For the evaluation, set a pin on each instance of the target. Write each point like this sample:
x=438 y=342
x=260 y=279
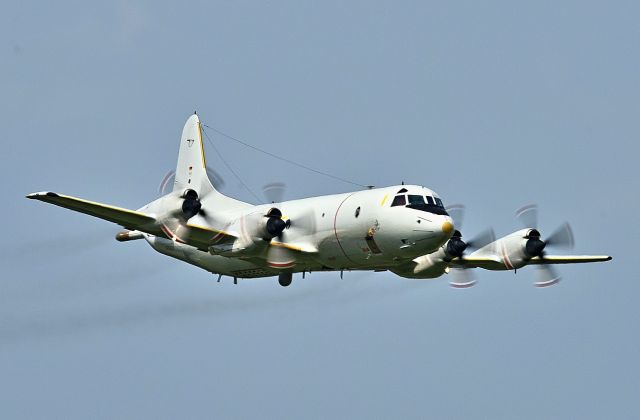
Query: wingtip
x=36 y=195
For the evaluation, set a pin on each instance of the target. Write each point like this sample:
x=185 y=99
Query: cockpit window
x=399 y=200
x=433 y=204
x=416 y=199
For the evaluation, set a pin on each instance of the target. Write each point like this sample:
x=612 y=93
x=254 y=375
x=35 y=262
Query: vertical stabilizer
x=191 y=172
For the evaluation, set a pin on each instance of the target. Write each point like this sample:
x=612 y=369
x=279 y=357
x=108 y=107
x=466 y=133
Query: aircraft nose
x=447 y=227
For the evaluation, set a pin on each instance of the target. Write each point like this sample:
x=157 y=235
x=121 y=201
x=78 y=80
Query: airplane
x=405 y=229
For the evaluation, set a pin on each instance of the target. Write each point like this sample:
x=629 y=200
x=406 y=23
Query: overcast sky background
x=491 y=104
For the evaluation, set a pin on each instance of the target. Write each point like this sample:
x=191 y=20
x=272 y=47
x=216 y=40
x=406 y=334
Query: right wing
x=568 y=259
x=498 y=264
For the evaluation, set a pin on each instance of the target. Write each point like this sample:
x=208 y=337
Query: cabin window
x=358 y=212
x=430 y=200
x=399 y=200
x=416 y=199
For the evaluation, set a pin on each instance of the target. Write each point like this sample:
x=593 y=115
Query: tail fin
x=191 y=172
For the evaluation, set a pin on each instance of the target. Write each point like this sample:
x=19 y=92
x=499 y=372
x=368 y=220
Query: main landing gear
x=285 y=279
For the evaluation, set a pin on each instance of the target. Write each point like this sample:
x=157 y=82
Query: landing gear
x=285 y=279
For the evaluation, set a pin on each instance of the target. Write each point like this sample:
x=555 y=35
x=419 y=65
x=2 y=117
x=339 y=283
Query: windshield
x=416 y=199
x=432 y=205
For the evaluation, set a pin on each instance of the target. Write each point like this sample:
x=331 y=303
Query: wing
x=569 y=259
x=198 y=236
x=497 y=264
x=126 y=218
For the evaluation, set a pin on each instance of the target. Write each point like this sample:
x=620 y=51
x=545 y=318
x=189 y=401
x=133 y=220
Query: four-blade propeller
x=535 y=246
x=281 y=255
x=461 y=277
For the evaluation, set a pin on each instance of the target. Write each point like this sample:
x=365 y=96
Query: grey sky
x=492 y=104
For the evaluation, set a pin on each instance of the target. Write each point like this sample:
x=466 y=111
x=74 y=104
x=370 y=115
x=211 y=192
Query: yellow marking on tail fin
x=204 y=162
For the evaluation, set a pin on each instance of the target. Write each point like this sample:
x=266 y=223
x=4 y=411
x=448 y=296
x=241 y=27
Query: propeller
x=301 y=225
x=462 y=278
x=280 y=257
x=456 y=247
x=562 y=237
x=456 y=212
x=275 y=225
x=535 y=246
x=546 y=276
x=528 y=216
x=168 y=180
x=274 y=191
x=192 y=205
x=174 y=223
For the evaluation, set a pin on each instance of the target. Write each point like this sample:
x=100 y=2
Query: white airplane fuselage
x=352 y=231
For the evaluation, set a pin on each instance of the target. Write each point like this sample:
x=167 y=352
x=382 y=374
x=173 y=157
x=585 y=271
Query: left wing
x=130 y=219
x=197 y=236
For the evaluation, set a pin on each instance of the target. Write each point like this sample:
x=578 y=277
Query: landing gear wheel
x=285 y=279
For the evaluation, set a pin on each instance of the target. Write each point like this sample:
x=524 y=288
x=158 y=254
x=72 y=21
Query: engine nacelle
x=255 y=231
x=516 y=249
